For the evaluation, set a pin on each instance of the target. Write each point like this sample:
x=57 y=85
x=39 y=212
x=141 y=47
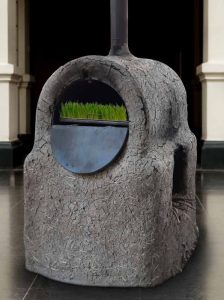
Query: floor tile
x=13 y=294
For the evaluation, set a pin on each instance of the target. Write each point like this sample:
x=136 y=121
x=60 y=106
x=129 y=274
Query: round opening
x=89 y=126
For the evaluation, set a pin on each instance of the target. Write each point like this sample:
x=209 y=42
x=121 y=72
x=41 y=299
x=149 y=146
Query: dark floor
x=203 y=277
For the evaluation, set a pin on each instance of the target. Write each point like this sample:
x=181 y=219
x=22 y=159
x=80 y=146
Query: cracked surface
x=133 y=224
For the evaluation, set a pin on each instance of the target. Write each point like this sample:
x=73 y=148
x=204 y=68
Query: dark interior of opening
x=179 y=172
x=87 y=91
x=168 y=31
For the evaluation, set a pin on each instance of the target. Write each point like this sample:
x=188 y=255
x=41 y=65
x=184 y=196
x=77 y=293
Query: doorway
x=168 y=31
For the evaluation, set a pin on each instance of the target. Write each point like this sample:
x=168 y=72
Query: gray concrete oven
x=132 y=222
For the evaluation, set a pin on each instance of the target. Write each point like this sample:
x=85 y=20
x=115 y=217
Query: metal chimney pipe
x=119 y=27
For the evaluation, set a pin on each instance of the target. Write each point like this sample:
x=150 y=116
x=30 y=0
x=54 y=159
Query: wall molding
x=12 y=154
x=212 y=155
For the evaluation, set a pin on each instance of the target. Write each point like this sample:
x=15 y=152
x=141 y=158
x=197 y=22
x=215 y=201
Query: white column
x=211 y=72
x=13 y=69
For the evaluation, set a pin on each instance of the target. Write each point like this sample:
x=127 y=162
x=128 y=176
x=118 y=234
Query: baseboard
x=212 y=155
x=12 y=154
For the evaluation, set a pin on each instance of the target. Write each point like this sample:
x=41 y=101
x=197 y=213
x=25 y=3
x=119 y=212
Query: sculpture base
x=102 y=282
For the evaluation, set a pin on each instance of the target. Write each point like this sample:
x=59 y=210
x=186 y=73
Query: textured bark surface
x=133 y=224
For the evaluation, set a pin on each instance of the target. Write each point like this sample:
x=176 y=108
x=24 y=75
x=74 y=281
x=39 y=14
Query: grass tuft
x=93 y=111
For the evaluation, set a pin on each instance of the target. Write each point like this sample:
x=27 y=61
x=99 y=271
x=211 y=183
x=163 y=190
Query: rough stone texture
x=133 y=224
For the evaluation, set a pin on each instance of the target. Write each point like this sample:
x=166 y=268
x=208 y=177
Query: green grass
x=93 y=111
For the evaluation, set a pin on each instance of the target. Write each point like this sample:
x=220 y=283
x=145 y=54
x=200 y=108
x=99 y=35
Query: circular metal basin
x=87 y=149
